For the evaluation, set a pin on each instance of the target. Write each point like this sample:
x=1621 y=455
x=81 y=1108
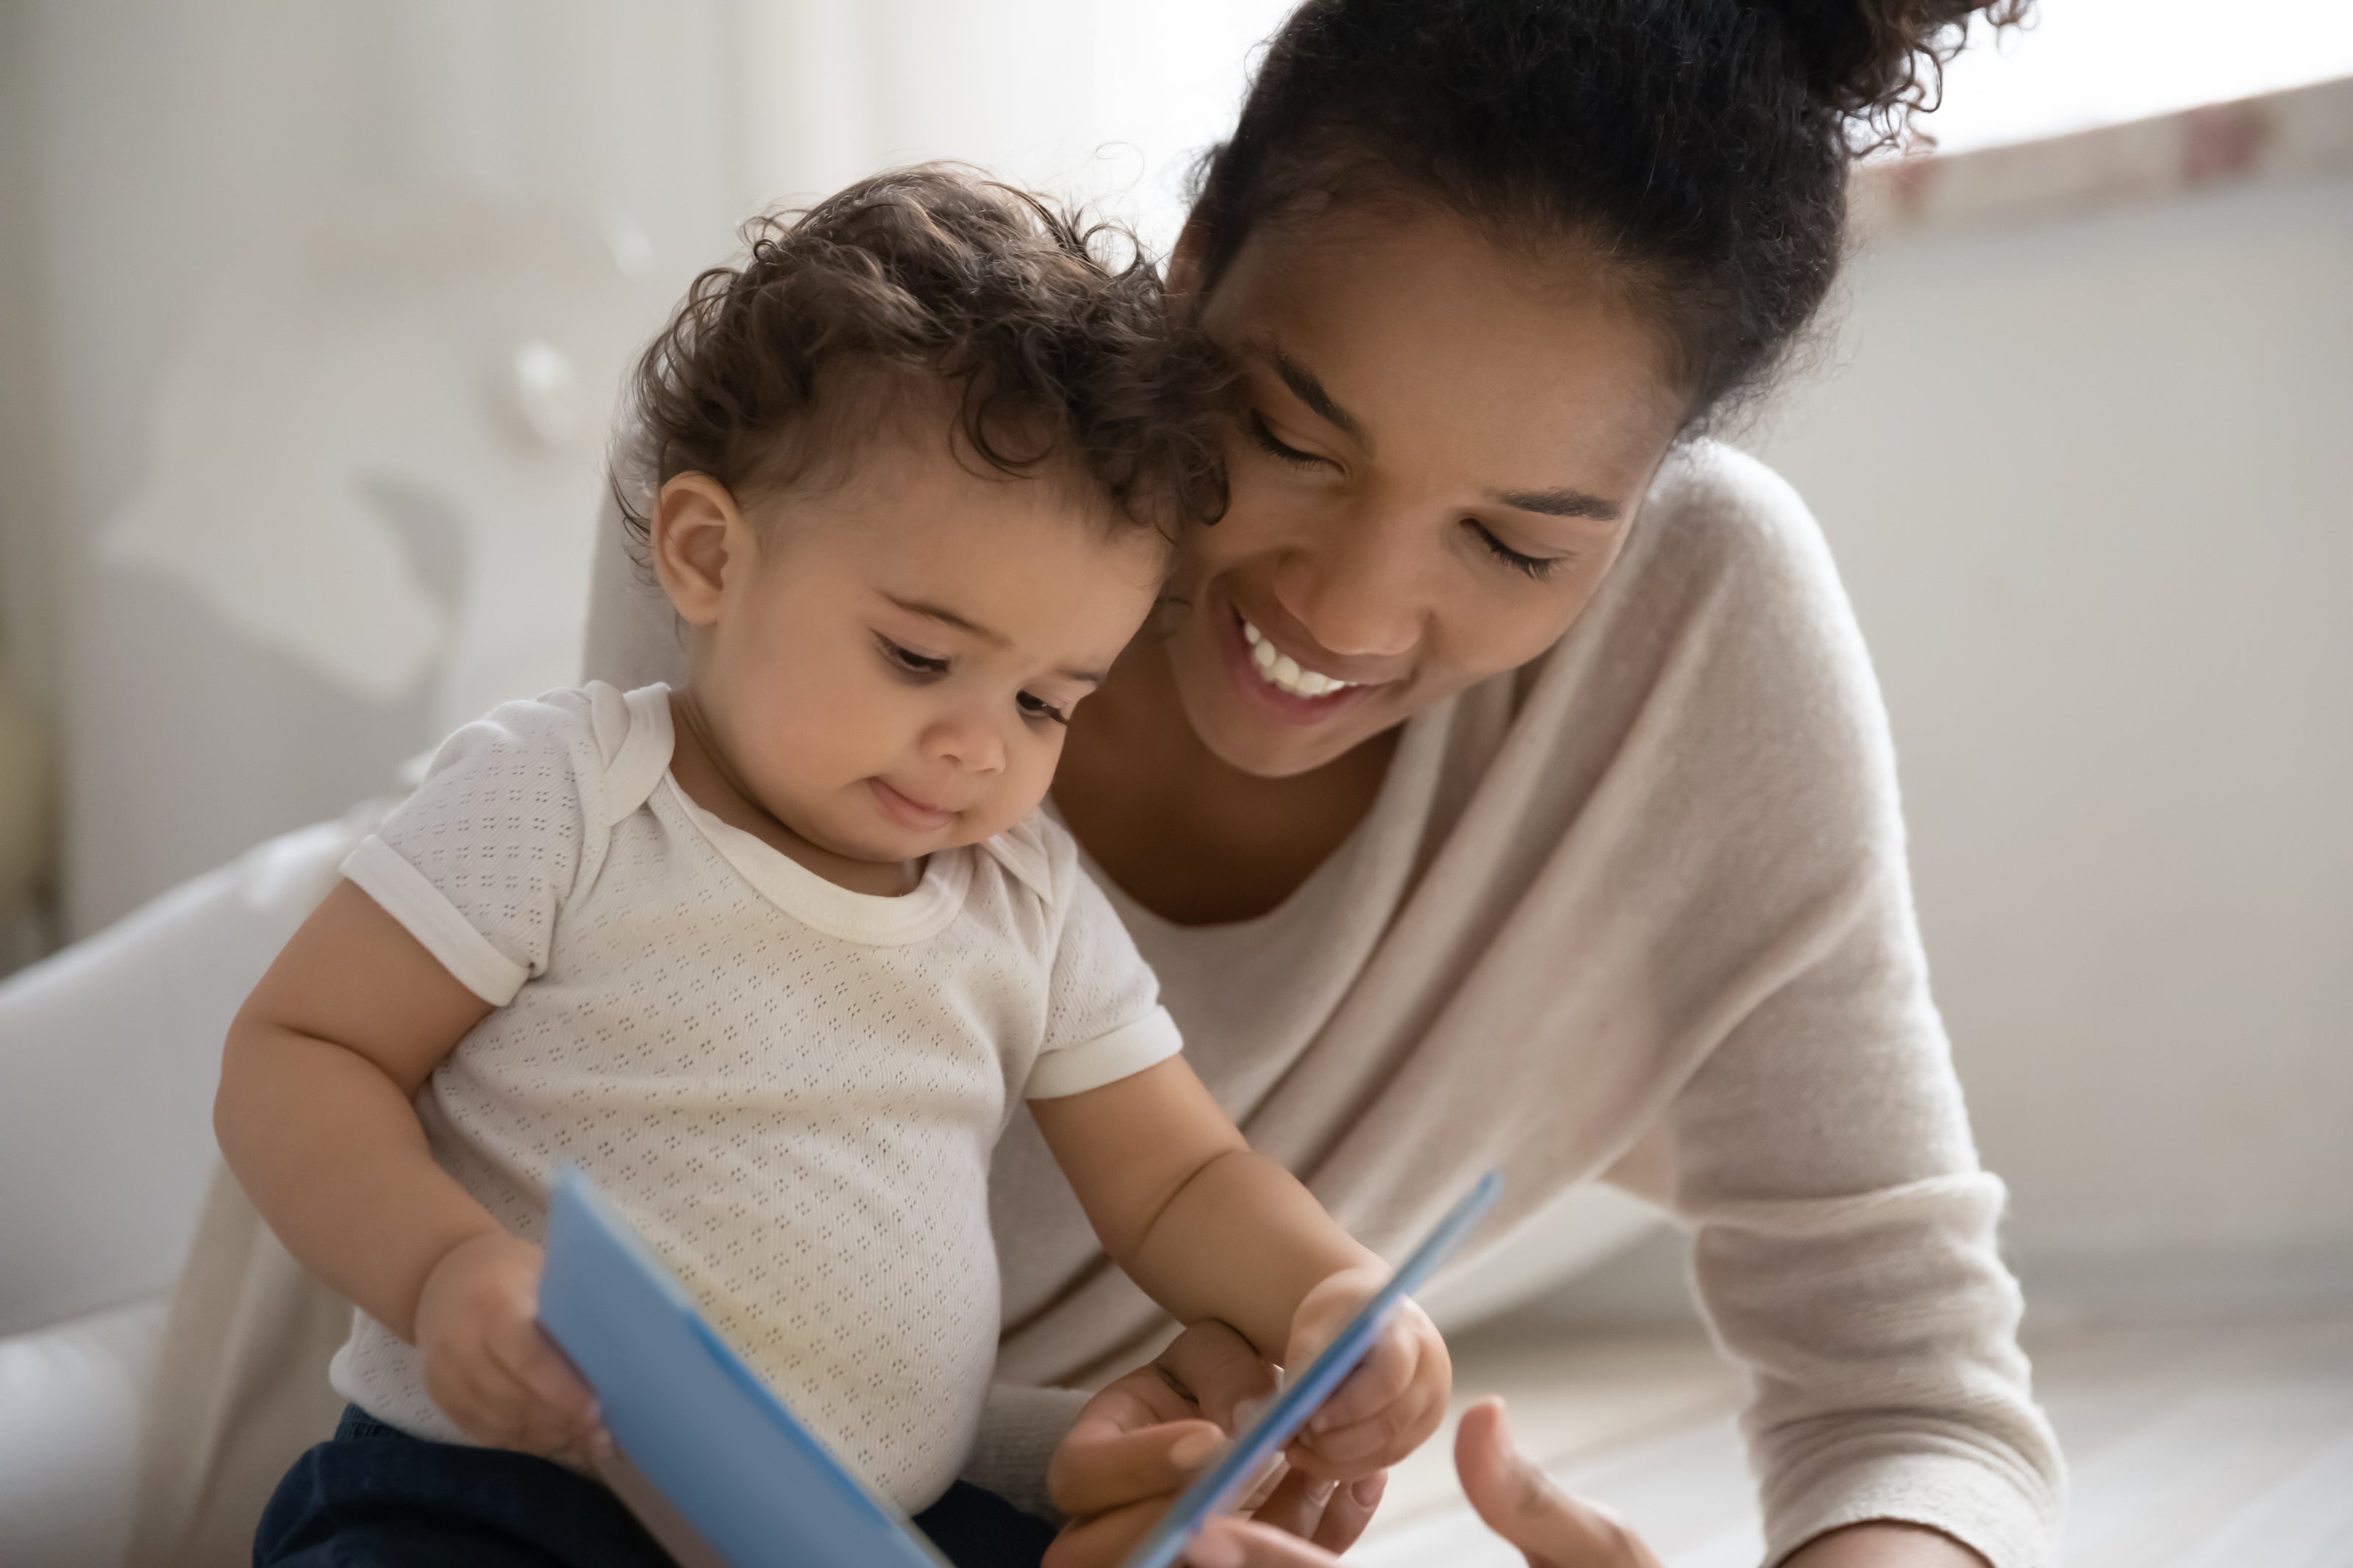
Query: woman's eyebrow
x=1309 y=391
x=1561 y=503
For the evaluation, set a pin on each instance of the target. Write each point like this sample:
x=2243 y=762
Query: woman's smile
x=1273 y=675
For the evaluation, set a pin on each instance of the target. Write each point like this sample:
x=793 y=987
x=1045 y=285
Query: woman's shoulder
x=1722 y=655
x=1727 y=564
x=1717 y=513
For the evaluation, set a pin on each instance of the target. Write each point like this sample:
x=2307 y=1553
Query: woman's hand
x=487 y=1365
x=1512 y=1494
x=1519 y=1502
x=1144 y=1438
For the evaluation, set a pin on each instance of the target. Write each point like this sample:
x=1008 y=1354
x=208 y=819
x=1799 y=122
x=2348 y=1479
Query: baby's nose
x=971 y=743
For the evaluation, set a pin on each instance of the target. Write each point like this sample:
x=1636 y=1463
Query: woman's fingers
x=1295 y=1504
x=1105 y=1539
x=1350 y=1510
x=1519 y=1502
x=1101 y=1465
x=1220 y=1370
x=1245 y=1543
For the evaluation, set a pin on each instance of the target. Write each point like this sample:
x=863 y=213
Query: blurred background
x=311 y=319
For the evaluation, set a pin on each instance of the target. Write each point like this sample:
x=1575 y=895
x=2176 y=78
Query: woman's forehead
x=1416 y=328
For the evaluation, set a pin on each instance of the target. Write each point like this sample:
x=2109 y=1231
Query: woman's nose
x=1356 y=585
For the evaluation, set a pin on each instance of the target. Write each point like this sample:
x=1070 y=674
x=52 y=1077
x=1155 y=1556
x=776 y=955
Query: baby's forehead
x=1035 y=564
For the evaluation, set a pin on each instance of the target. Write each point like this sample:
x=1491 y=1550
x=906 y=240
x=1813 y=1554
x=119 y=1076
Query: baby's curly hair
x=1051 y=331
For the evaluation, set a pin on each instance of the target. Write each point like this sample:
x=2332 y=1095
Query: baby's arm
x=1211 y=1230
x=315 y=1115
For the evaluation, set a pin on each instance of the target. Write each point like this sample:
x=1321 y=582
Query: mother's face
x=1442 y=448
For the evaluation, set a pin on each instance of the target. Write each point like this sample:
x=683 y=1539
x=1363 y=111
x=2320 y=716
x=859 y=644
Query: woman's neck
x=1188 y=835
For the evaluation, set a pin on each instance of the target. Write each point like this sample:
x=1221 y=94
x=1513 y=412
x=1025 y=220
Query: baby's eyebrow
x=949 y=617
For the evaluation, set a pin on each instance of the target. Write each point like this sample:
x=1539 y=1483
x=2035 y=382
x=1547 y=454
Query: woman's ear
x=697 y=537
x=1187 y=259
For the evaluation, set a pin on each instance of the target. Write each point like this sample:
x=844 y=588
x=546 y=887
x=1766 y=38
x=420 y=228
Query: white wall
x=159 y=153
x=160 y=149
x=2087 y=481
x=1106 y=100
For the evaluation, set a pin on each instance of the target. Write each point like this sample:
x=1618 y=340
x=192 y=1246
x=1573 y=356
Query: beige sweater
x=1639 y=911
x=1636 y=911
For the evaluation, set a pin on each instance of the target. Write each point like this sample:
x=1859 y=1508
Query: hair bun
x=1880 y=60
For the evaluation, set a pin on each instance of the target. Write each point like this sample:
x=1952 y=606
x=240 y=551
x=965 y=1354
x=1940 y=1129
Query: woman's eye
x=1039 y=708
x=1537 y=567
x=1278 y=448
x=911 y=661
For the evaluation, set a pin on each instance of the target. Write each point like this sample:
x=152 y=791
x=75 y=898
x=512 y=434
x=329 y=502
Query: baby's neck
x=702 y=773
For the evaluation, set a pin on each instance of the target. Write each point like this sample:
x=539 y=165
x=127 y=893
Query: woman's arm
x=315 y=1116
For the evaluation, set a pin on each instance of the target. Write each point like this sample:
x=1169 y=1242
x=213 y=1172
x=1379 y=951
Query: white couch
x=107 y=1055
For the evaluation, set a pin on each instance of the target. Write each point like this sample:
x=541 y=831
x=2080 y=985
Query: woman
x=1511 y=787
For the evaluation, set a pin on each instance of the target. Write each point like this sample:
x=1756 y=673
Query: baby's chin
x=886 y=843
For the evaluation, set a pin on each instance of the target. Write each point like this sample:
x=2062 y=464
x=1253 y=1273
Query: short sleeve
x=477 y=862
x=1103 y=1016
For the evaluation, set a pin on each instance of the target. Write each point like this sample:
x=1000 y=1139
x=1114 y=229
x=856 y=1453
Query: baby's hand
x=1394 y=1400
x=488 y=1366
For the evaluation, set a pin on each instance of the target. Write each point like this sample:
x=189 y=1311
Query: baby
x=772 y=957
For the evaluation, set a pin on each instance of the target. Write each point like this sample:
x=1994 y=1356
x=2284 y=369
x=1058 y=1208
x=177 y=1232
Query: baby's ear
x=697 y=536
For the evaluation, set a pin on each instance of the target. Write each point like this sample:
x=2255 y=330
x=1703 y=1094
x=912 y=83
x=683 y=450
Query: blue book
x=717 y=1467
x=723 y=1474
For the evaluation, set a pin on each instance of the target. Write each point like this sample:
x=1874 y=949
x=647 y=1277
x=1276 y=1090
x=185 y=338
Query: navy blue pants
x=374 y=1497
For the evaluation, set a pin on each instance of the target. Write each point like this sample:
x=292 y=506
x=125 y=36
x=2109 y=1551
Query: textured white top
x=791 y=1089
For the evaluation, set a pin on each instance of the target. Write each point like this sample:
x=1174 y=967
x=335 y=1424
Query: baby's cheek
x=1030 y=777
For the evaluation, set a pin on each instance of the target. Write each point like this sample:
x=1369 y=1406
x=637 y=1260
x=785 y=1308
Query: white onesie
x=791 y=1089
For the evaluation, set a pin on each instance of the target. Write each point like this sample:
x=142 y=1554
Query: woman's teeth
x=1282 y=671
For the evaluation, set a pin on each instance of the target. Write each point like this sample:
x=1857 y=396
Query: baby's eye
x=1039 y=708
x=908 y=659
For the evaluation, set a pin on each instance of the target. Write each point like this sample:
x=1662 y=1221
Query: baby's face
x=894 y=662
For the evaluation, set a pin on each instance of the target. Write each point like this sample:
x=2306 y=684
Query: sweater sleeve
x=1845 y=1254
x=1844 y=1232
x=1020 y=1427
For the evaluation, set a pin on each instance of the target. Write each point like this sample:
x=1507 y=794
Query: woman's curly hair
x=1699 y=148
x=1053 y=334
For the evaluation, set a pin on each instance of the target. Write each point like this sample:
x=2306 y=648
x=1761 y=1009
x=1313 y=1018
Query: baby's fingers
x=559 y=1412
x=1379 y=1381
x=491 y=1406
x=1385 y=1410
x=1354 y=1452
